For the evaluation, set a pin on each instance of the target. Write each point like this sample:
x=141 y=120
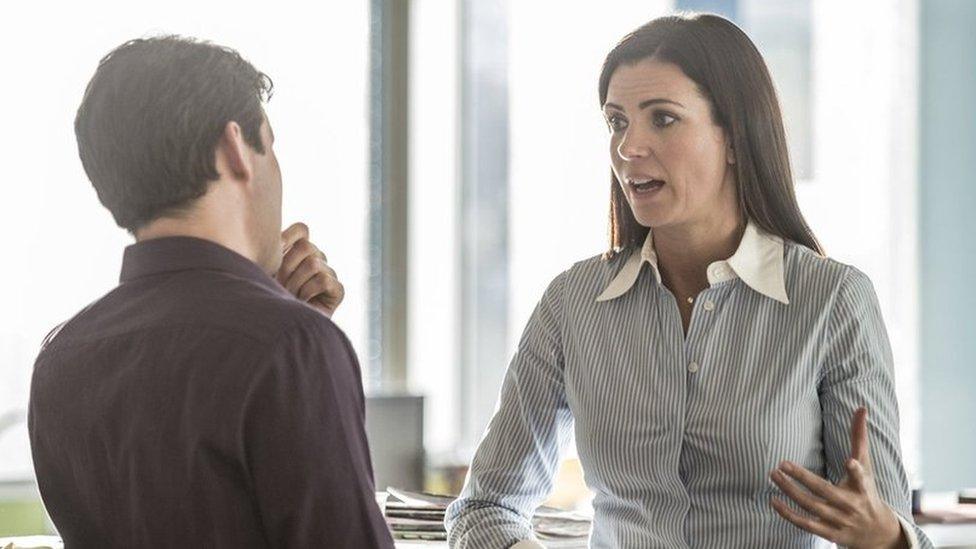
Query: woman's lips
x=645 y=187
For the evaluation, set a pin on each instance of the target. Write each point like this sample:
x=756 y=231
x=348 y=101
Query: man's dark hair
x=151 y=119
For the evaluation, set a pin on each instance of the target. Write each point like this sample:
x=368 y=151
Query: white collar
x=758 y=262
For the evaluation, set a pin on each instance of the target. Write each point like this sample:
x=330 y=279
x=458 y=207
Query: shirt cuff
x=532 y=544
x=909 y=530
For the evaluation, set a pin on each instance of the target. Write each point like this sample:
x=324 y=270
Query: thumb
x=291 y=235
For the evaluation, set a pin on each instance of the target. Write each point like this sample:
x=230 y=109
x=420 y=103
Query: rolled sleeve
x=909 y=529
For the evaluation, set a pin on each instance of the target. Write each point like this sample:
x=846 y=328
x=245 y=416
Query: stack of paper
x=416 y=516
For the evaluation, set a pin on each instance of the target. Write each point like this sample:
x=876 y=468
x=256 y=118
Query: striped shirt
x=677 y=434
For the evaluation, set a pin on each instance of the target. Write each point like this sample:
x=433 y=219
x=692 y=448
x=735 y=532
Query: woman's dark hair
x=731 y=74
x=151 y=119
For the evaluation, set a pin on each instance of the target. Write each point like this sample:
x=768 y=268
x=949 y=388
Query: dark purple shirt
x=199 y=404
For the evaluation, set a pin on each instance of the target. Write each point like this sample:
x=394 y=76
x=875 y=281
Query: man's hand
x=305 y=271
x=851 y=513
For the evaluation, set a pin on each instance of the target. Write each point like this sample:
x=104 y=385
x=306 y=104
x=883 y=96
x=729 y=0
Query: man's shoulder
x=300 y=320
x=306 y=348
x=273 y=320
x=234 y=307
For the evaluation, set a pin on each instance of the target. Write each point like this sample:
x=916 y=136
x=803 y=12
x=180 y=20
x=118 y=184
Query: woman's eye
x=663 y=119
x=616 y=122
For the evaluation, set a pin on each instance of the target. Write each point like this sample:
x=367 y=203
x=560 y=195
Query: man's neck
x=170 y=227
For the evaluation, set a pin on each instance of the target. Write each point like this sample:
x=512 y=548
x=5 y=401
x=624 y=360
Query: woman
x=714 y=364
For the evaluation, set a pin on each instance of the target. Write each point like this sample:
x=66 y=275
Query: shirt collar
x=183 y=253
x=758 y=262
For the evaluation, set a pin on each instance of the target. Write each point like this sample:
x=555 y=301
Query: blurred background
x=450 y=158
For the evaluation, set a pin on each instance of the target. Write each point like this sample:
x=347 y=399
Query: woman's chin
x=651 y=218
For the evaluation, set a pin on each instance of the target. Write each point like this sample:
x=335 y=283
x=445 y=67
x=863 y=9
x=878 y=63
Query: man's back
x=199 y=404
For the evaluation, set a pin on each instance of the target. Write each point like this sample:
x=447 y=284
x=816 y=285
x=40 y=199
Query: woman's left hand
x=851 y=513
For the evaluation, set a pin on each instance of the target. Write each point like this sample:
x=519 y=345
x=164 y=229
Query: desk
x=945 y=536
x=957 y=536
x=25 y=542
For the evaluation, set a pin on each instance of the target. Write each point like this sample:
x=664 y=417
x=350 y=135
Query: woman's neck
x=685 y=252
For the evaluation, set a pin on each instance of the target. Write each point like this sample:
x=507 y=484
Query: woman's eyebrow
x=644 y=104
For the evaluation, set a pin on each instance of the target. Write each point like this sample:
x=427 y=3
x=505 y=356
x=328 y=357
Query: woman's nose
x=633 y=145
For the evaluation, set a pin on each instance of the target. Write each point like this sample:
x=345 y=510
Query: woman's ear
x=729 y=153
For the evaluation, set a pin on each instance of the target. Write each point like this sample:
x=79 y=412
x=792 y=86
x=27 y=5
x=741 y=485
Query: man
x=202 y=402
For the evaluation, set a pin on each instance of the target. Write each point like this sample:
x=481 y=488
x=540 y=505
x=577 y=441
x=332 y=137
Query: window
x=62 y=249
x=433 y=364
x=848 y=94
x=848 y=91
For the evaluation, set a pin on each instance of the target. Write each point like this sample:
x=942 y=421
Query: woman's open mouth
x=645 y=186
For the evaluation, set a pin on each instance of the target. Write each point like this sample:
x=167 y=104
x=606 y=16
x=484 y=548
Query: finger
x=294 y=257
x=291 y=235
x=810 y=503
x=809 y=524
x=306 y=270
x=819 y=486
x=310 y=265
x=859 y=436
x=324 y=287
x=329 y=300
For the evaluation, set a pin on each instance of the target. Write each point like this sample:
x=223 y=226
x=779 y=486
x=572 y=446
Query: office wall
x=947 y=202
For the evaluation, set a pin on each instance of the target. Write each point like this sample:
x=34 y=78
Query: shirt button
x=709 y=305
x=693 y=367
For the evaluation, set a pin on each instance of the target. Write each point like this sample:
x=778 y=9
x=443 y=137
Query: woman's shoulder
x=600 y=265
x=584 y=280
x=812 y=275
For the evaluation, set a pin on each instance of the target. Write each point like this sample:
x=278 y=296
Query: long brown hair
x=731 y=74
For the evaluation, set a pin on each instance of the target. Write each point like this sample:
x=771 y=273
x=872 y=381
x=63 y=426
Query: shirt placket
x=695 y=362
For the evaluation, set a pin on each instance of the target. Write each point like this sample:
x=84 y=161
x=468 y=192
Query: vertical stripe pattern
x=677 y=433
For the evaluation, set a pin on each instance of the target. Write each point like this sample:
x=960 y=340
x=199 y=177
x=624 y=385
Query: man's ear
x=235 y=152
